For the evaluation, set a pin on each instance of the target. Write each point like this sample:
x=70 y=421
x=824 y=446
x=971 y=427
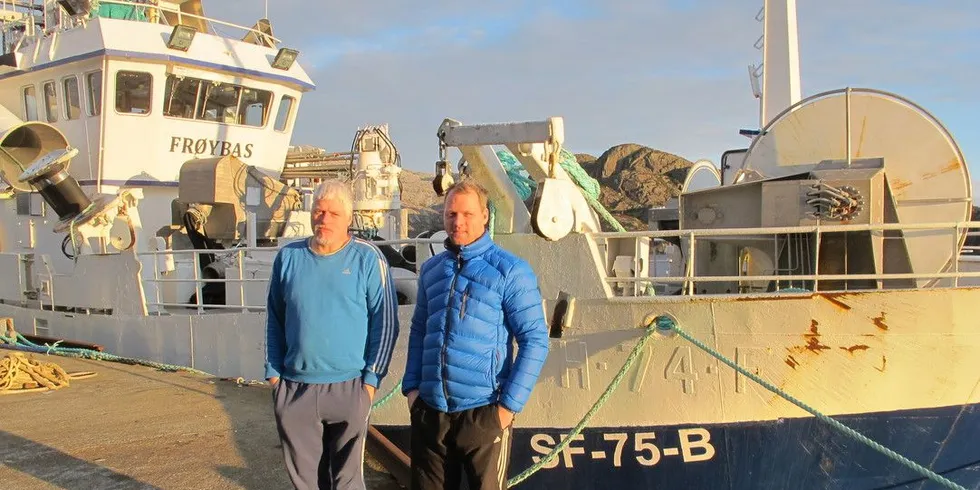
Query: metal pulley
x=552 y=216
x=443 y=179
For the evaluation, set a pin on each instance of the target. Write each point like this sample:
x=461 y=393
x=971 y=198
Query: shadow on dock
x=133 y=427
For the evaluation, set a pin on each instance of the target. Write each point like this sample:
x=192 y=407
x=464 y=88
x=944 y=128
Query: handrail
x=779 y=230
x=240 y=254
x=798 y=277
x=180 y=14
x=690 y=278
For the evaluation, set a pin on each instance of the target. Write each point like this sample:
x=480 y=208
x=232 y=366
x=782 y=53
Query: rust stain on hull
x=791 y=362
x=953 y=165
x=898 y=185
x=879 y=322
x=813 y=339
x=833 y=298
x=815 y=346
x=883 y=362
x=771 y=298
x=855 y=348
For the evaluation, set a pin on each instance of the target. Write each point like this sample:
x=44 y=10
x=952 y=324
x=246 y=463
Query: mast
x=780 y=68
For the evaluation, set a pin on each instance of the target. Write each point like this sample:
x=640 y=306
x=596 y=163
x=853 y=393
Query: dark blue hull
x=789 y=454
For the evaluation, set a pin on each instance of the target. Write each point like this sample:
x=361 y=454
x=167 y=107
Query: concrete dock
x=134 y=427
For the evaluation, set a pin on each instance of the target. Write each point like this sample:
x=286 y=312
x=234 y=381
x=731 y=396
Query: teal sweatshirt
x=331 y=317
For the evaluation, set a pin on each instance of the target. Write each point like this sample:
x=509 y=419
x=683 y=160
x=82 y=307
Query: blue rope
x=665 y=324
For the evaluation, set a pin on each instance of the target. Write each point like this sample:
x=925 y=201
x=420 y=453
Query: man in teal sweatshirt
x=331 y=329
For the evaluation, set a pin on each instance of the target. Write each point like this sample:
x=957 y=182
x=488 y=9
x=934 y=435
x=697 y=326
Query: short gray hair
x=335 y=189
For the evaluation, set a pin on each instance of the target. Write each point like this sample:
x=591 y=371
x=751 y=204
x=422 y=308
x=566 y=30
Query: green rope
x=493 y=218
x=604 y=214
x=590 y=190
x=517 y=174
x=666 y=323
x=387 y=397
x=54 y=349
x=590 y=187
x=630 y=359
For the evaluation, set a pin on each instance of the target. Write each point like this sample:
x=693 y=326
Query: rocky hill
x=425 y=207
x=633 y=178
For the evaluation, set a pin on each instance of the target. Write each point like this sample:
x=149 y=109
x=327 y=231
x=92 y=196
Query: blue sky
x=669 y=74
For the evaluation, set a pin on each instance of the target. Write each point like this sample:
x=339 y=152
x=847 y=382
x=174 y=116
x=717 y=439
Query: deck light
x=285 y=58
x=181 y=37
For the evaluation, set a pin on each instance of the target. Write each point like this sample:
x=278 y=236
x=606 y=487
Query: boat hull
x=900 y=366
x=799 y=453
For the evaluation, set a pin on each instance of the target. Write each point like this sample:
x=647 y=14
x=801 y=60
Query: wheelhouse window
x=255 y=104
x=180 y=97
x=134 y=90
x=219 y=102
x=73 y=104
x=93 y=85
x=285 y=108
x=206 y=100
x=51 y=101
x=30 y=103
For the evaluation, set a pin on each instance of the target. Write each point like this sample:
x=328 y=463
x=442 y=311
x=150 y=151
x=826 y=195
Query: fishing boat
x=800 y=319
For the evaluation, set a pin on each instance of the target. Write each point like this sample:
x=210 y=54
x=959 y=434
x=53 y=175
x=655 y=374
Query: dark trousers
x=322 y=428
x=444 y=445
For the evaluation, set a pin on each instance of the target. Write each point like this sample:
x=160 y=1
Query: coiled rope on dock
x=25 y=374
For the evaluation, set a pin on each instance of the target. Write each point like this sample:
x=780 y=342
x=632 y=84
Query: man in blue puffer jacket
x=462 y=380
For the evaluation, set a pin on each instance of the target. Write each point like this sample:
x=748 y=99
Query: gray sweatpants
x=322 y=428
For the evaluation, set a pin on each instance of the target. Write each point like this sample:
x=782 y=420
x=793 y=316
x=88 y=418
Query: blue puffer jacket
x=473 y=302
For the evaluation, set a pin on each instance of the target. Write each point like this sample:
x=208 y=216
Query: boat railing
x=690 y=279
x=971 y=250
x=16 y=24
x=156 y=10
x=239 y=254
x=142 y=11
x=243 y=261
